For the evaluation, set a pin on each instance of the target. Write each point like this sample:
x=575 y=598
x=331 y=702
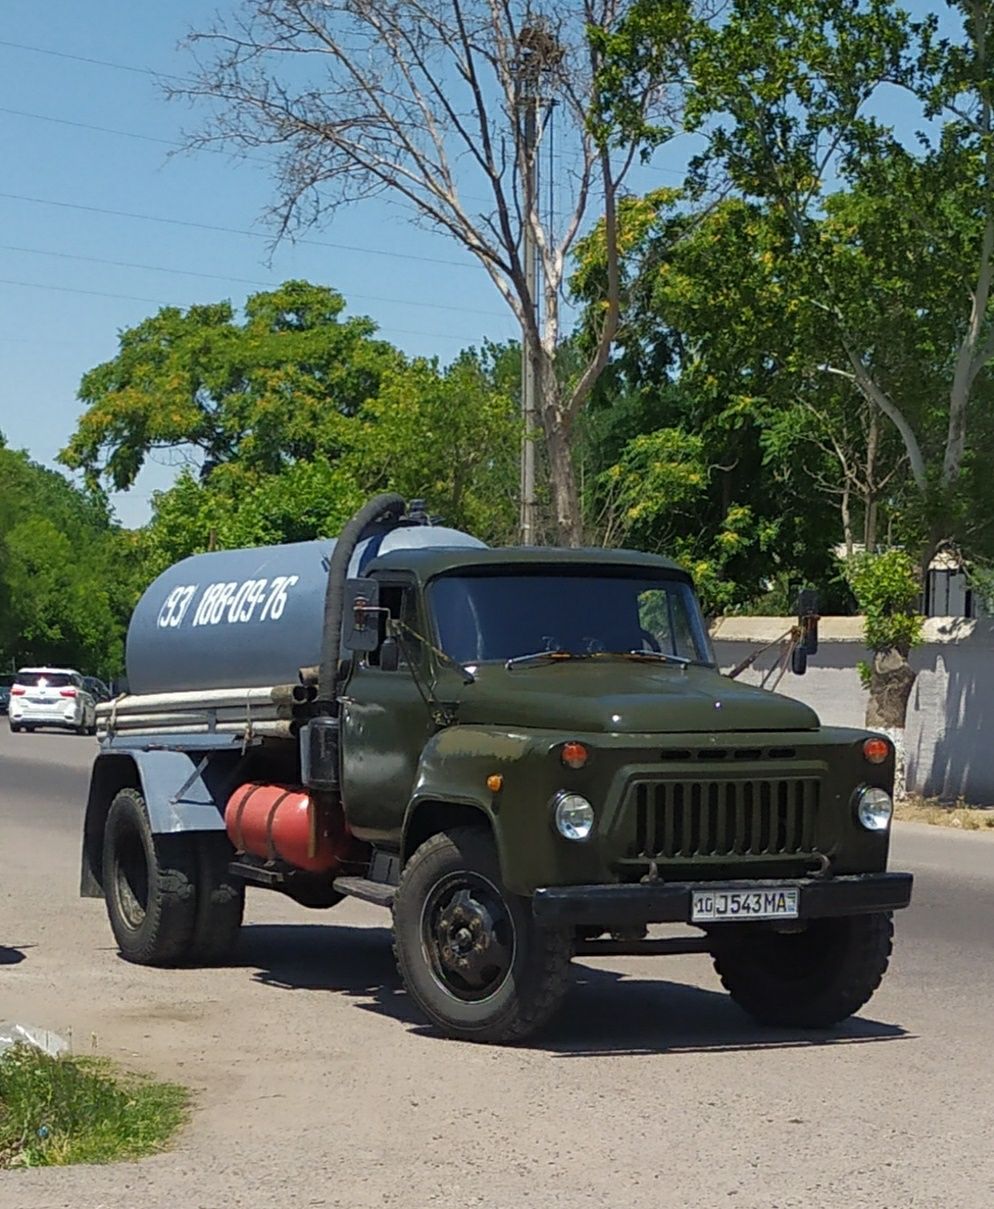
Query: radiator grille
x=676 y=820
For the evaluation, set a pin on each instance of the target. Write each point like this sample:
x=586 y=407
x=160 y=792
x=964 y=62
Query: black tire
x=149 y=885
x=510 y=977
x=811 y=979
x=220 y=900
x=15 y=729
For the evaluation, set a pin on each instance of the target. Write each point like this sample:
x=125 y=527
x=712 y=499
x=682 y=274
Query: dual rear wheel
x=170 y=898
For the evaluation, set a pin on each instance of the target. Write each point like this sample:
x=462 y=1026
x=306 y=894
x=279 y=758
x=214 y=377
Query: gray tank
x=247 y=618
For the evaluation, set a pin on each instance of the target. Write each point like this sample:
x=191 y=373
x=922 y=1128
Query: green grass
x=55 y=1111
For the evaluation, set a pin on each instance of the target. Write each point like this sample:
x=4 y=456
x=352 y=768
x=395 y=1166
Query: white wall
x=950 y=735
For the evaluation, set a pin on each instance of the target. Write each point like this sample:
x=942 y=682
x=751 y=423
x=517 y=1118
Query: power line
x=182 y=222
x=61 y=54
x=148 y=71
x=269 y=161
x=155 y=268
x=65 y=289
x=127 y=134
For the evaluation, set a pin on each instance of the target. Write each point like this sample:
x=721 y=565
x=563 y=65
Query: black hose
x=388 y=506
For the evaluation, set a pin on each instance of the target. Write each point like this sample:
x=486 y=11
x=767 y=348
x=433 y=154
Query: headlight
x=574 y=816
x=874 y=809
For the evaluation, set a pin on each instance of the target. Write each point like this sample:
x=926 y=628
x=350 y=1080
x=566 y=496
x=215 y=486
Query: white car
x=51 y=696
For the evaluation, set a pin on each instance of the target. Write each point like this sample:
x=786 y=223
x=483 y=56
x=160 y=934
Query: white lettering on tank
x=175 y=605
x=228 y=601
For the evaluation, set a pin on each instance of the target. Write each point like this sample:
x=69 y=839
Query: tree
x=435 y=103
x=449 y=438
x=704 y=446
x=893 y=273
x=290 y=420
x=259 y=394
x=881 y=251
x=68 y=577
x=886 y=590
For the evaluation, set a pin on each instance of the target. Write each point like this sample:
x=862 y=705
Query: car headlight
x=573 y=815
x=874 y=808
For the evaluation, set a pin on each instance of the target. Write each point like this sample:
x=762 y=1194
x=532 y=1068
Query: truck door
x=385 y=725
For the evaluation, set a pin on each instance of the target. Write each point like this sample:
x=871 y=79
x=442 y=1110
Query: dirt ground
x=316 y=1084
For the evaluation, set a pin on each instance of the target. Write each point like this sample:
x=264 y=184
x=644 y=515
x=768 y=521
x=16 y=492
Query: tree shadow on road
x=605 y=1013
x=11 y=956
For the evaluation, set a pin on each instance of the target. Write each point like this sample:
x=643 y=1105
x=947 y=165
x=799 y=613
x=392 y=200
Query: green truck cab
x=528 y=755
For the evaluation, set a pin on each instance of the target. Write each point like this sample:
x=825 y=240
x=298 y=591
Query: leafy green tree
x=260 y=393
x=292 y=418
x=450 y=438
x=887 y=278
x=68 y=576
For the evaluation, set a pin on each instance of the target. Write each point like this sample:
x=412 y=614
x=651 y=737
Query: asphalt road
x=316 y=1085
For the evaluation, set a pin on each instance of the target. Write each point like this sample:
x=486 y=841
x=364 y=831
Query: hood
x=622 y=696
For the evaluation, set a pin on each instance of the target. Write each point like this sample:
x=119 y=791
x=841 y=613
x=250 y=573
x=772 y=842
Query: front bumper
x=625 y=906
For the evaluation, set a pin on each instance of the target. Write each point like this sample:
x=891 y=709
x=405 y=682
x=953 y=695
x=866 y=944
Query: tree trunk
x=891 y=681
x=847 y=519
x=557 y=424
x=870 y=520
x=565 y=497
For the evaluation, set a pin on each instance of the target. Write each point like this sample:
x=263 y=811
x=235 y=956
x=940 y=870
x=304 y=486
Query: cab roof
x=429 y=561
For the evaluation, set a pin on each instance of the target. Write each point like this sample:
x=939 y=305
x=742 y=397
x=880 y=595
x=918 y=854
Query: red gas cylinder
x=283 y=822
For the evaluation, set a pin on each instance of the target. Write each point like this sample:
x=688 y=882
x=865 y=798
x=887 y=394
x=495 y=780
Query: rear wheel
x=470 y=952
x=815 y=978
x=149 y=885
x=220 y=900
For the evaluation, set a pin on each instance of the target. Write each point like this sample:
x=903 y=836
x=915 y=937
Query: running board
x=369 y=891
x=665 y=947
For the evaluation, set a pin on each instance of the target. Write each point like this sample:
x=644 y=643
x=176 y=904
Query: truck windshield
x=489 y=617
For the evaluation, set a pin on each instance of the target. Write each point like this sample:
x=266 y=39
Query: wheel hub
x=469 y=936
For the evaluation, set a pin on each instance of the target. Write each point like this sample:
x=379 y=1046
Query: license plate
x=717 y=904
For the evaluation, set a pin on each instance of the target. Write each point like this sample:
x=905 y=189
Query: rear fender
x=179 y=796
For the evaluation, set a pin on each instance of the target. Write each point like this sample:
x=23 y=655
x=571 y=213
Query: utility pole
x=529 y=400
x=539 y=55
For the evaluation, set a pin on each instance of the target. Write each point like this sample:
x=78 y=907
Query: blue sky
x=85 y=144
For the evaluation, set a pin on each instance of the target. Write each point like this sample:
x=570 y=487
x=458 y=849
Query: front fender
x=454 y=768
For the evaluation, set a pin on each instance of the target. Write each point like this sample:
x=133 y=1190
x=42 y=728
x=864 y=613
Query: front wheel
x=470 y=953
x=815 y=978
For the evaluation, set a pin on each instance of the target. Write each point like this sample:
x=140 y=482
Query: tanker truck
x=525 y=754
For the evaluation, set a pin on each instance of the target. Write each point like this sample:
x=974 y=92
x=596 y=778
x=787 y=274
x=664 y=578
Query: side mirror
x=360 y=617
x=799 y=660
x=389 y=655
x=807 y=618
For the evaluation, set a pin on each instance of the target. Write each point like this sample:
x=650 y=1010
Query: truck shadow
x=605 y=1013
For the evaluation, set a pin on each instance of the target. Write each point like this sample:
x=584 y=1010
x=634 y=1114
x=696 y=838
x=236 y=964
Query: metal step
x=257 y=873
x=371 y=892
x=662 y=947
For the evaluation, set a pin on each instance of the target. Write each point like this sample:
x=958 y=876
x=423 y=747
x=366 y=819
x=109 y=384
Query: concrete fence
x=950 y=734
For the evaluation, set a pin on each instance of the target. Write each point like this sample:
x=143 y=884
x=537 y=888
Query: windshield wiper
x=539 y=657
x=658 y=656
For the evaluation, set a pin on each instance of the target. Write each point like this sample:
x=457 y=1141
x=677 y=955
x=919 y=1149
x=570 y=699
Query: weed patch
x=55 y=1111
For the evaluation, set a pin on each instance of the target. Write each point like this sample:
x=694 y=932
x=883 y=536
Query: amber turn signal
x=875 y=751
x=494 y=782
x=574 y=755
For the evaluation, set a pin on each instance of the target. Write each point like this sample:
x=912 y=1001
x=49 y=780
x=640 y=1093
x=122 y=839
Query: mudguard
x=183 y=791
